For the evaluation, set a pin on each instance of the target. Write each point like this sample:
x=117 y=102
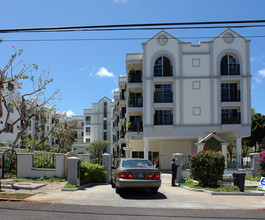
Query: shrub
x=92 y=173
x=262 y=163
x=70 y=186
x=207 y=167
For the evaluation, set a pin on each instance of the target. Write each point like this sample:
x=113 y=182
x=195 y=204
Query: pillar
x=146 y=148
x=224 y=152
x=238 y=152
x=73 y=170
x=106 y=158
x=200 y=147
x=254 y=163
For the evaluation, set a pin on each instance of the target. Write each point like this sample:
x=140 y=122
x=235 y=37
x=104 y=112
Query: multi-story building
x=13 y=89
x=93 y=125
x=176 y=93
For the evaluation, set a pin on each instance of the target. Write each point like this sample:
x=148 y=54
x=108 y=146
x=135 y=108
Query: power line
x=116 y=39
x=134 y=26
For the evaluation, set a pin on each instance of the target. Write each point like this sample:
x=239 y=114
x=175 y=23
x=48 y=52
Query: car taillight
x=125 y=175
x=154 y=175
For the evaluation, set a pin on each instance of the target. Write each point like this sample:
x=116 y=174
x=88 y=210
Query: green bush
x=92 y=173
x=70 y=186
x=207 y=167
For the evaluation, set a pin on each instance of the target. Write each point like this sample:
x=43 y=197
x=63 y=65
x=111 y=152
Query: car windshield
x=137 y=163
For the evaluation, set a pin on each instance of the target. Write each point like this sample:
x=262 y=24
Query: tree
x=32 y=104
x=230 y=148
x=257 y=129
x=97 y=148
x=64 y=132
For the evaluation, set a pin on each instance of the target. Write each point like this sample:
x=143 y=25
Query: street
x=25 y=210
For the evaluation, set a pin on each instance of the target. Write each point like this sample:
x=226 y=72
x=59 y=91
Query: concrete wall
x=25 y=167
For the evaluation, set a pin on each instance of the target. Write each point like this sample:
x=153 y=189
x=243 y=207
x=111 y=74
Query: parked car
x=135 y=173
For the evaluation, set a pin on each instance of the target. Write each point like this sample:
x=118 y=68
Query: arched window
x=162 y=67
x=87 y=120
x=105 y=109
x=229 y=65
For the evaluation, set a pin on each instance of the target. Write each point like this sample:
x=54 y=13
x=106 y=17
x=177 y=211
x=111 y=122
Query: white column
x=238 y=152
x=146 y=148
x=224 y=152
x=200 y=147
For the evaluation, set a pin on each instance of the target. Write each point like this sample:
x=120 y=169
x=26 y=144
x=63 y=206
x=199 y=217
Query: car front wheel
x=118 y=190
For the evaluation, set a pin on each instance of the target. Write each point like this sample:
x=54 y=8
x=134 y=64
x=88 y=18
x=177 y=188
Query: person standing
x=156 y=163
x=174 y=169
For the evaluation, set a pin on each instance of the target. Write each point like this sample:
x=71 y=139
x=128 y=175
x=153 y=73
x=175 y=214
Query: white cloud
x=85 y=68
x=114 y=90
x=70 y=113
x=103 y=72
x=261 y=73
x=120 y=1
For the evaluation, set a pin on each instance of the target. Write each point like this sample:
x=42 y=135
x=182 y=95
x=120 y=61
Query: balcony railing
x=230 y=97
x=230 y=69
x=135 y=102
x=163 y=97
x=135 y=77
x=166 y=119
x=135 y=126
x=231 y=118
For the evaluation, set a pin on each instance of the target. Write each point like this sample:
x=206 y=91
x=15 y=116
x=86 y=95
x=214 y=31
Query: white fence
x=25 y=166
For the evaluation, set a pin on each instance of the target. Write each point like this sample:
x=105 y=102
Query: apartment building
x=13 y=89
x=95 y=124
x=176 y=95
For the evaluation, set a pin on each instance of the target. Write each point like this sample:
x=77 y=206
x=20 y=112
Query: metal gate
x=13 y=163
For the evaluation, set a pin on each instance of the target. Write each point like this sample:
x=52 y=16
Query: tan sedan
x=135 y=173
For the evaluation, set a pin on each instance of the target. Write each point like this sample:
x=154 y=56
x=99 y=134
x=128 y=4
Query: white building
x=13 y=89
x=94 y=125
x=176 y=93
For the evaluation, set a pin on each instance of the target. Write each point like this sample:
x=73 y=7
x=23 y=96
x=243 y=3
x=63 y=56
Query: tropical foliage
x=207 y=167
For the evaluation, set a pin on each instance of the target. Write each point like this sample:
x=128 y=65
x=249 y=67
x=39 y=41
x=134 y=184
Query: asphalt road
x=28 y=210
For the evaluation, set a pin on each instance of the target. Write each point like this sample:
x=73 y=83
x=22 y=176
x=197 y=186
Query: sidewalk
x=167 y=197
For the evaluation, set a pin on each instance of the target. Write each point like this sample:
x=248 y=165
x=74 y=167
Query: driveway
x=167 y=197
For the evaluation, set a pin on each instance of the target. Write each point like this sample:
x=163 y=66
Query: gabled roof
x=105 y=97
x=160 y=33
x=230 y=30
x=212 y=135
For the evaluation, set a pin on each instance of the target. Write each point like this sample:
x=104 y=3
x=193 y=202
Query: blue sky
x=86 y=71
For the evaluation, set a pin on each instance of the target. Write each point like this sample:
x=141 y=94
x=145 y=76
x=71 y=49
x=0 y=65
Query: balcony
x=163 y=118
x=229 y=117
x=135 y=102
x=230 y=97
x=135 y=76
x=163 y=97
x=135 y=126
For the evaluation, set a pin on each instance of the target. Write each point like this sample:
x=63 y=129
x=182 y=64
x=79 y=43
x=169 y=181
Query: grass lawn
x=15 y=195
x=44 y=179
x=223 y=188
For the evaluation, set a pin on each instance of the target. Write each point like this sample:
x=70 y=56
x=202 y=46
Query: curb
x=23 y=200
x=82 y=187
x=248 y=193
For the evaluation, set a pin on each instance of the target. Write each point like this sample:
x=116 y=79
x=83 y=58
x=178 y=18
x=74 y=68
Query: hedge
x=92 y=173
